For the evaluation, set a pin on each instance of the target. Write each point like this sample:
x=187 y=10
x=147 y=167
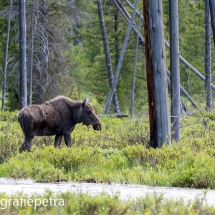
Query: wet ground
x=29 y=187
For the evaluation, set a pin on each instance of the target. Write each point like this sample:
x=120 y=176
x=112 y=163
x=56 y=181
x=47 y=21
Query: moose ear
x=85 y=102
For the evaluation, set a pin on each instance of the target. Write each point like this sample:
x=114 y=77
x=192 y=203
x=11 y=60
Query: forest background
x=68 y=58
x=68 y=55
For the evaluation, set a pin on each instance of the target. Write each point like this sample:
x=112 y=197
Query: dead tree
x=174 y=69
x=135 y=70
x=22 y=48
x=209 y=100
x=212 y=12
x=156 y=73
x=4 y=84
x=31 y=59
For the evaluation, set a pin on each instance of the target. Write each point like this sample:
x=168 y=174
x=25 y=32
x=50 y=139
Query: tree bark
x=31 y=55
x=116 y=39
x=42 y=70
x=4 y=84
x=134 y=73
x=209 y=100
x=174 y=69
x=23 y=72
x=212 y=12
x=156 y=73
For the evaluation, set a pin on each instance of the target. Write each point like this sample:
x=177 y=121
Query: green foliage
x=83 y=67
x=95 y=59
x=92 y=73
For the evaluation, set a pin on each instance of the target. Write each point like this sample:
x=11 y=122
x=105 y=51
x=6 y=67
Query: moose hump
x=56 y=117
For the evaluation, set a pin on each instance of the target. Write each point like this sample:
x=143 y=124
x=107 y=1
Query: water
x=29 y=187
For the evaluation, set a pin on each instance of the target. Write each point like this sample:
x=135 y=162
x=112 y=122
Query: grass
x=119 y=153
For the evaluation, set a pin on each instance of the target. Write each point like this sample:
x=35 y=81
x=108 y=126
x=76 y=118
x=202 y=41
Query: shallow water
x=29 y=187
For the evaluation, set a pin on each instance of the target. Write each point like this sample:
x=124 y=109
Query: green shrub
x=113 y=155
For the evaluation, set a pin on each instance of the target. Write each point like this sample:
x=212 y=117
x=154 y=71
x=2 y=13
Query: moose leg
x=67 y=139
x=26 y=146
x=57 y=140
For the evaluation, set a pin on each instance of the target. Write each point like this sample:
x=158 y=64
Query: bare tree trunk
x=134 y=73
x=23 y=72
x=212 y=12
x=4 y=85
x=116 y=76
x=42 y=70
x=156 y=73
x=107 y=56
x=116 y=19
x=209 y=100
x=174 y=68
x=31 y=55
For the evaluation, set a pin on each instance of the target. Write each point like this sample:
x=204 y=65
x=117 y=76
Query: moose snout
x=97 y=126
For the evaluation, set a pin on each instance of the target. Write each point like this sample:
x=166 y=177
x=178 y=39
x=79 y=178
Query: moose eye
x=89 y=112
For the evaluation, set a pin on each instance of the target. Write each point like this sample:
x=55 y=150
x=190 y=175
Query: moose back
x=56 y=117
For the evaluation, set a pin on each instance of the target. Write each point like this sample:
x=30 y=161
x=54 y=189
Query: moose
x=56 y=117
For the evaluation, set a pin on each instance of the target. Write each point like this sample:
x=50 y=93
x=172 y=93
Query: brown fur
x=57 y=117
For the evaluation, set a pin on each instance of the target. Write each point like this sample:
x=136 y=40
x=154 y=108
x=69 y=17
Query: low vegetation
x=120 y=153
x=81 y=204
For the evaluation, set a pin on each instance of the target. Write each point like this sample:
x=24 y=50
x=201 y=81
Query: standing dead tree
x=156 y=73
x=4 y=85
x=44 y=54
x=31 y=53
x=135 y=71
x=22 y=47
x=212 y=12
x=208 y=78
x=174 y=68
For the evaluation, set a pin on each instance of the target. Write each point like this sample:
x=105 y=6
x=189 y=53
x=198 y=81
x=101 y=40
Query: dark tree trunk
x=156 y=73
x=212 y=12
x=209 y=100
x=30 y=69
x=4 y=84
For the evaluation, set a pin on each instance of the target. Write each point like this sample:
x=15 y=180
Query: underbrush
x=79 y=203
x=119 y=153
